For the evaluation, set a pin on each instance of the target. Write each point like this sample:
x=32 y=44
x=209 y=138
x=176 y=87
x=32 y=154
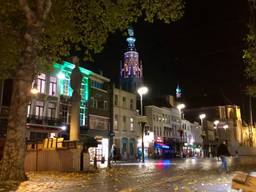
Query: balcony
x=43 y=120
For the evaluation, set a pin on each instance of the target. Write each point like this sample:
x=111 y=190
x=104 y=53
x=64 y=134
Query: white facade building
x=125 y=125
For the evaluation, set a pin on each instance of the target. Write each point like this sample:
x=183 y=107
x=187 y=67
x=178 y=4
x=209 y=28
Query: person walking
x=223 y=153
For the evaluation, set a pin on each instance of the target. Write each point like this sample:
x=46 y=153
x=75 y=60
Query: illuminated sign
x=159 y=140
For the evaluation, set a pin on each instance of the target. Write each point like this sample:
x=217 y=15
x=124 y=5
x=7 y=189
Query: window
x=95 y=103
x=92 y=102
x=39 y=109
x=124 y=123
x=51 y=110
x=100 y=104
x=131 y=104
x=53 y=86
x=66 y=87
x=105 y=104
x=131 y=149
x=82 y=116
x=131 y=124
x=41 y=83
x=124 y=101
x=116 y=100
x=28 y=109
x=115 y=122
x=97 y=84
x=124 y=149
x=64 y=112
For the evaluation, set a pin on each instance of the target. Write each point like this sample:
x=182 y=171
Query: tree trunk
x=12 y=164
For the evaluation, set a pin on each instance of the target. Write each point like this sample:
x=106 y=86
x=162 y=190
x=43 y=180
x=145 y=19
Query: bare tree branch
x=47 y=9
x=28 y=12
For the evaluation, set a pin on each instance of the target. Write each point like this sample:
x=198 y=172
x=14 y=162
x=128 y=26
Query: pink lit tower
x=131 y=68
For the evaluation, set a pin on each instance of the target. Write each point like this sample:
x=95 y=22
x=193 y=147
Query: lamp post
x=34 y=89
x=202 y=116
x=180 y=107
x=225 y=128
x=216 y=123
x=142 y=91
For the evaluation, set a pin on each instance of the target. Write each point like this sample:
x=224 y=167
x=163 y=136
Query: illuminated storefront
x=148 y=145
x=161 y=149
x=101 y=152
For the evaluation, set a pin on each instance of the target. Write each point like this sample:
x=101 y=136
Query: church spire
x=178 y=92
x=131 y=39
x=131 y=68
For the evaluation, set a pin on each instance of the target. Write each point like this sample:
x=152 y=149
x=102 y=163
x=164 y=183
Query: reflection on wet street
x=152 y=176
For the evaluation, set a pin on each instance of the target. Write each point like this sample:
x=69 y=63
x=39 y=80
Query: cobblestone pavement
x=153 y=176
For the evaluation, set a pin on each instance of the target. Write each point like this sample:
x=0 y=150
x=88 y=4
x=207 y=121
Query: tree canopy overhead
x=62 y=23
x=34 y=33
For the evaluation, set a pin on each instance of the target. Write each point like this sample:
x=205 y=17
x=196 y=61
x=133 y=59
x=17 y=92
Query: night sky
x=202 y=52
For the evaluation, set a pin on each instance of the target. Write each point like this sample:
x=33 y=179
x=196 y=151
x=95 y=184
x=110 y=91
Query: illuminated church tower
x=131 y=69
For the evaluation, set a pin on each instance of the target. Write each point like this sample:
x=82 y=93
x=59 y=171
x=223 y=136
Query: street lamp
x=180 y=107
x=202 y=116
x=225 y=127
x=61 y=75
x=216 y=122
x=142 y=91
x=34 y=89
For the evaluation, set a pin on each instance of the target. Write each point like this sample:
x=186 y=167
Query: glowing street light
x=204 y=134
x=61 y=75
x=181 y=106
x=225 y=127
x=34 y=89
x=142 y=91
x=202 y=116
x=216 y=122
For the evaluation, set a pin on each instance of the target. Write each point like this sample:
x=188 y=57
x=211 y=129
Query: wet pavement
x=153 y=176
